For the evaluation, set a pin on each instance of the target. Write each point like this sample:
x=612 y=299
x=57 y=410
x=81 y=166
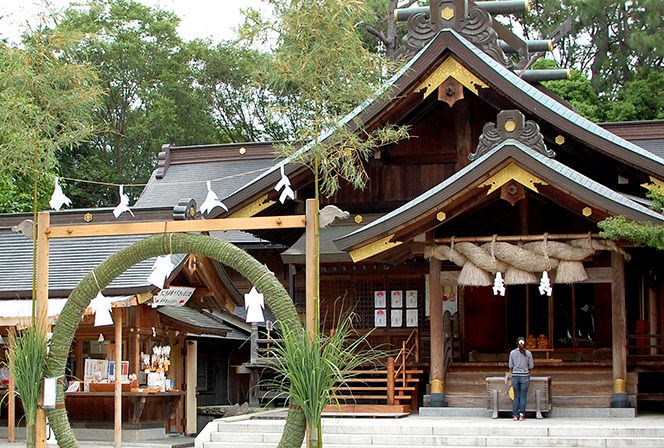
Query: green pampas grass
x=26 y=363
x=309 y=370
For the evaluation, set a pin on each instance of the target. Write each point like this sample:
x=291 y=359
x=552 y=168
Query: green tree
x=646 y=233
x=610 y=40
x=381 y=25
x=45 y=105
x=235 y=81
x=639 y=99
x=151 y=97
x=319 y=55
x=45 y=108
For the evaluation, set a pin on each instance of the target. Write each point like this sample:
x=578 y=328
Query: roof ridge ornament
x=511 y=124
x=475 y=22
x=471 y=20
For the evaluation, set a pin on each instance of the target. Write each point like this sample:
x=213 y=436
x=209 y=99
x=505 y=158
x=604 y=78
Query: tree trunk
x=258 y=275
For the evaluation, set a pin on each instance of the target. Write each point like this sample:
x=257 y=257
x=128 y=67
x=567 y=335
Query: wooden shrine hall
x=483 y=226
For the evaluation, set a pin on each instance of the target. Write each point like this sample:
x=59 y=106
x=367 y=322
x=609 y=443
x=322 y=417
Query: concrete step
x=429 y=432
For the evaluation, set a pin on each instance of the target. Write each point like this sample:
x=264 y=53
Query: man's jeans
x=520 y=385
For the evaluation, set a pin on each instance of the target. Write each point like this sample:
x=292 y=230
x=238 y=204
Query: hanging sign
x=173 y=296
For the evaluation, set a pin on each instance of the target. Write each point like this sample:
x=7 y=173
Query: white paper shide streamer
x=101 y=307
x=161 y=269
x=211 y=201
x=123 y=206
x=58 y=198
x=284 y=184
x=254 y=304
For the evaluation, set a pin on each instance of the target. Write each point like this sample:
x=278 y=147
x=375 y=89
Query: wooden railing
x=645 y=347
x=393 y=384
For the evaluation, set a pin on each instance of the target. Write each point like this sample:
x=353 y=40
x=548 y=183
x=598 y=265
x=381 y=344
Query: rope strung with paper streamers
x=521 y=263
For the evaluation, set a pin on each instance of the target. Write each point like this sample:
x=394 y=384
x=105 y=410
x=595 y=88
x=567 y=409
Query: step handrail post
x=390 y=381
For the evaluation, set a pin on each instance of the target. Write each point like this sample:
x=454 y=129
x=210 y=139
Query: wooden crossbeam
x=151 y=228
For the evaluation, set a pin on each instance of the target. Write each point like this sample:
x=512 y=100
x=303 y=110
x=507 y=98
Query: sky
x=215 y=19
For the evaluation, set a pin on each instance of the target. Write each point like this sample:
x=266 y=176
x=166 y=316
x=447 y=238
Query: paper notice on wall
x=396 y=318
x=380 y=318
x=411 y=298
x=411 y=318
x=397 y=299
x=380 y=299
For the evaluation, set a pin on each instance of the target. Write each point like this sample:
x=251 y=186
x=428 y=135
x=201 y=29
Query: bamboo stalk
x=11 y=401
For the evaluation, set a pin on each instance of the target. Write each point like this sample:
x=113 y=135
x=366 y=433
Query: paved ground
x=650 y=420
x=171 y=442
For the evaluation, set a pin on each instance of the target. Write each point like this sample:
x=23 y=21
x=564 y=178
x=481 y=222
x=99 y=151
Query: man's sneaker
x=522 y=417
x=516 y=418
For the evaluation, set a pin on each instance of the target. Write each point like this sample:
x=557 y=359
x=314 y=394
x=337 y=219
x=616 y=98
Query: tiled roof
x=69 y=261
x=188 y=181
x=525 y=97
x=201 y=320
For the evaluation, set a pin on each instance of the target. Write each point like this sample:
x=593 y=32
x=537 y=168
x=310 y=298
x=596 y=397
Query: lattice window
x=337 y=296
x=364 y=299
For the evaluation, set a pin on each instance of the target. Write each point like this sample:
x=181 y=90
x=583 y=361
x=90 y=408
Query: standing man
x=521 y=361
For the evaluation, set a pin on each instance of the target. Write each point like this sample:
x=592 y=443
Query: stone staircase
x=429 y=432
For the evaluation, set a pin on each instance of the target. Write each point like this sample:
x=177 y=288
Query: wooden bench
x=539 y=395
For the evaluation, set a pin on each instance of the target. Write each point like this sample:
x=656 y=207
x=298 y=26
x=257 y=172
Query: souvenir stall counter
x=140 y=409
x=91 y=403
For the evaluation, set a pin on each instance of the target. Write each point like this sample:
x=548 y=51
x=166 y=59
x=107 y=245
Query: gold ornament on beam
x=512 y=192
x=512 y=172
x=374 y=248
x=450 y=68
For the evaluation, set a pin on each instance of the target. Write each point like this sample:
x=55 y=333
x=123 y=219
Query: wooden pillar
x=619 y=324
x=190 y=395
x=311 y=252
x=437 y=375
x=390 y=381
x=117 y=426
x=135 y=341
x=41 y=322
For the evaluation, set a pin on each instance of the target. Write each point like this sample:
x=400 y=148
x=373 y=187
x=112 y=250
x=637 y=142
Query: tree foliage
x=235 y=82
x=646 y=233
x=151 y=95
x=45 y=105
x=321 y=62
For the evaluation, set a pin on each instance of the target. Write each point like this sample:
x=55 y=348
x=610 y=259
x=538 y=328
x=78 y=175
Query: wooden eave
x=231 y=151
x=203 y=273
x=420 y=215
x=187 y=328
x=92 y=216
x=637 y=130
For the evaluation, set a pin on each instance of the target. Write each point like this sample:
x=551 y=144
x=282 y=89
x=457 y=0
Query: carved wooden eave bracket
x=510 y=124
